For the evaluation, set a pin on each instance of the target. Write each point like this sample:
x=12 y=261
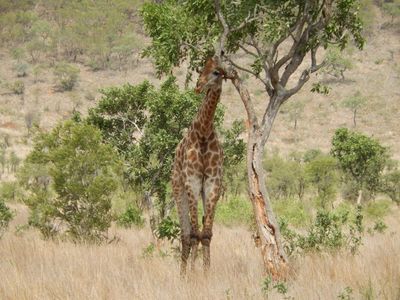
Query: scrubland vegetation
x=85 y=202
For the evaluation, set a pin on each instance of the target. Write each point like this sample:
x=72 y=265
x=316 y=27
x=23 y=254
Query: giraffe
x=197 y=169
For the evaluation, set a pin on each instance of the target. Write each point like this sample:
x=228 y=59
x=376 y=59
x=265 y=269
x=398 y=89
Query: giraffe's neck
x=206 y=113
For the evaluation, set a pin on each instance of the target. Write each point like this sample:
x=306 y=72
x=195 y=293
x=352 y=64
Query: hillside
x=375 y=74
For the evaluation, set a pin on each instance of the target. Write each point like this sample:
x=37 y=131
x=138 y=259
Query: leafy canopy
x=360 y=156
x=190 y=29
x=70 y=176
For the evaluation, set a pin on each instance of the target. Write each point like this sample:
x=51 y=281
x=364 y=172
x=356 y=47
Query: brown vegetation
x=32 y=268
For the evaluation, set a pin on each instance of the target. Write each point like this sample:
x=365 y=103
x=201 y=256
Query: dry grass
x=31 y=268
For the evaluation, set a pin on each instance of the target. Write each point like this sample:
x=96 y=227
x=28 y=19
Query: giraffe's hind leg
x=183 y=212
x=212 y=193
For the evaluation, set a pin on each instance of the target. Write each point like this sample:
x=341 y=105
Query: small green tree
x=66 y=76
x=391 y=185
x=295 y=110
x=354 y=103
x=360 y=157
x=337 y=62
x=81 y=174
x=322 y=173
x=5 y=217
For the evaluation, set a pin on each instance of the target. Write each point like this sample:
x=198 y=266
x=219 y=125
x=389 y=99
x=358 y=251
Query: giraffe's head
x=211 y=76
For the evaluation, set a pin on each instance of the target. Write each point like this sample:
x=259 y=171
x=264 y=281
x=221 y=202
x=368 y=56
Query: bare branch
x=246 y=70
x=305 y=75
x=247 y=51
x=225 y=27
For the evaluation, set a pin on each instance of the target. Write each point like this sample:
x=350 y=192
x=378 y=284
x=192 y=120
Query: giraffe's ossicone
x=197 y=169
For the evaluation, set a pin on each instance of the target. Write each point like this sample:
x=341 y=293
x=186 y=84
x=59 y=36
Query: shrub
x=5 y=217
x=286 y=178
x=168 y=229
x=291 y=210
x=234 y=211
x=377 y=209
x=391 y=185
x=361 y=158
x=329 y=231
x=131 y=217
x=9 y=191
x=17 y=87
x=322 y=173
x=72 y=192
x=21 y=69
x=66 y=76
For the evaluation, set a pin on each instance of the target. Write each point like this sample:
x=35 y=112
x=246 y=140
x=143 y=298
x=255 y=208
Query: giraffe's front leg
x=193 y=187
x=213 y=190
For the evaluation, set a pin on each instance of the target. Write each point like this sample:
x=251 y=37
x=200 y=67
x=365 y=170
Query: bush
x=66 y=76
x=291 y=210
x=72 y=192
x=234 y=211
x=377 y=209
x=5 y=217
x=131 y=217
x=285 y=178
x=21 y=69
x=322 y=173
x=391 y=185
x=17 y=87
x=168 y=229
x=329 y=231
x=9 y=191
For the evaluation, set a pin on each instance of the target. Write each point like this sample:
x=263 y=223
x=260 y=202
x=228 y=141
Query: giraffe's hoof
x=195 y=236
x=206 y=238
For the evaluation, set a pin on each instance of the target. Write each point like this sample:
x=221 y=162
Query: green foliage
x=392 y=8
x=21 y=69
x=269 y=285
x=234 y=211
x=320 y=88
x=168 y=229
x=5 y=217
x=337 y=63
x=346 y=294
x=377 y=209
x=354 y=103
x=70 y=176
x=391 y=185
x=285 y=178
x=295 y=110
x=132 y=216
x=293 y=211
x=322 y=173
x=145 y=125
x=188 y=29
x=9 y=191
x=66 y=76
x=329 y=231
x=234 y=153
x=360 y=157
x=17 y=87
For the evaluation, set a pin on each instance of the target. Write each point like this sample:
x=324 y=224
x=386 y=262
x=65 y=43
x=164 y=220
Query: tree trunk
x=269 y=239
x=272 y=252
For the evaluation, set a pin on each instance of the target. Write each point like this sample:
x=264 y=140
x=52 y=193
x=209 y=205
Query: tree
x=192 y=30
x=337 y=63
x=360 y=157
x=70 y=176
x=295 y=110
x=322 y=172
x=354 y=103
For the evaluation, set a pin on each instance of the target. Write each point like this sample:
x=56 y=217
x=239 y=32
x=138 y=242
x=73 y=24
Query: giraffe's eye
x=216 y=72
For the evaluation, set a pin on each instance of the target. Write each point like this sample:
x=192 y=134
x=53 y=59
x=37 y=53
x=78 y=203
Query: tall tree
x=278 y=38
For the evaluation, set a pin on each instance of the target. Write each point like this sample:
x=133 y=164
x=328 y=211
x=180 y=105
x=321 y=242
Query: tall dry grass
x=31 y=268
